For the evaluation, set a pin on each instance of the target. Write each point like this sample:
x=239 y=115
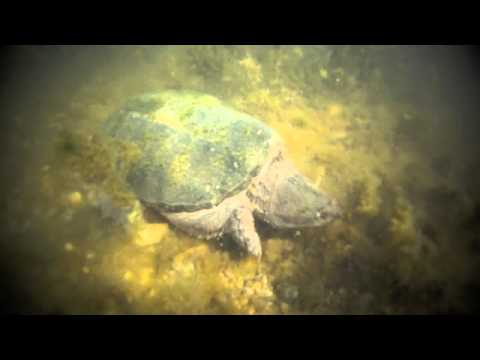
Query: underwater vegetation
x=377 y=127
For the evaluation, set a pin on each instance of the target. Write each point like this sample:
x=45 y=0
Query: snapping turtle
x=209 y=169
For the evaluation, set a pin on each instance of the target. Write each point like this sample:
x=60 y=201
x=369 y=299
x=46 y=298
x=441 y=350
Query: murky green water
x=390 y=131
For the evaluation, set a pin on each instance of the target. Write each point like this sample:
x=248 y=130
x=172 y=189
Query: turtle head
x=295 y=202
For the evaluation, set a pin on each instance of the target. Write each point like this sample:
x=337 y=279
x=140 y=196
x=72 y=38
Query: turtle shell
x=195 y=150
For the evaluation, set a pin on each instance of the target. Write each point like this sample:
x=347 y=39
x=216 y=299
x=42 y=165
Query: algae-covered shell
x=195 y=150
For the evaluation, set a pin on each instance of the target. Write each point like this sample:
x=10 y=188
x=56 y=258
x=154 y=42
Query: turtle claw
x=254 y=249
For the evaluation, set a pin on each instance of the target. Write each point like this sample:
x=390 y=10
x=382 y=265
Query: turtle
x=210 y=170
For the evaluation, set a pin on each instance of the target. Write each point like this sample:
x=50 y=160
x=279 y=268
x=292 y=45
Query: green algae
x=348 y=123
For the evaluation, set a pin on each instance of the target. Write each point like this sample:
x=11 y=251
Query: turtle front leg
x=242 y=226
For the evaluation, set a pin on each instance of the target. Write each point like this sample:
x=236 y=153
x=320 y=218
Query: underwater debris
x=69 y=246
x=75 y=198
x=150 y=234
x=287 y=292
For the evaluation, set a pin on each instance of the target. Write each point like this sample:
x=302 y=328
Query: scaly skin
x=279 y=195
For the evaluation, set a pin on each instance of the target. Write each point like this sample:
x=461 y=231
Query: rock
x=184 y=269
x=150 y=234
x=284 y=307
x=287 y=292
x=127 y=276
x=69 y=247
x=184 y=263
x=335 y=110
x=75 y=198
x=324 y=73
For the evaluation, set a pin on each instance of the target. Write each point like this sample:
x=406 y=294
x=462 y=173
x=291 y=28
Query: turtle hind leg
x=241 y=226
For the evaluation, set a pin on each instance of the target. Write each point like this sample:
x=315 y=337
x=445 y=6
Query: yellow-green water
x=387 y=130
